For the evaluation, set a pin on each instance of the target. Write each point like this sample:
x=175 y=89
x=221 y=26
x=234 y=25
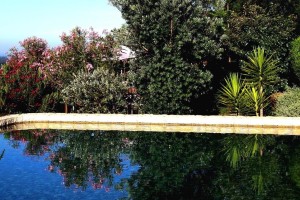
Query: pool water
x=58 y=164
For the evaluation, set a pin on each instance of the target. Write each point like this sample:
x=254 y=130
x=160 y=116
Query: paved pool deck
x=156 y=123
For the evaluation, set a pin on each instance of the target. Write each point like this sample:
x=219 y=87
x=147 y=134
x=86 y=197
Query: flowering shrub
x=21 y=77
x=81 y=50
x=98 y=91
x=33 y=77
x=288 y=104
x=3 y=89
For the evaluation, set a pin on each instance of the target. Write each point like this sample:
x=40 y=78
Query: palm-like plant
x=232 y=93
x=260 y=71
x=258 y=100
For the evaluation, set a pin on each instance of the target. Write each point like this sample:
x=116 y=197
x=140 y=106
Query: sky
x=48 y=19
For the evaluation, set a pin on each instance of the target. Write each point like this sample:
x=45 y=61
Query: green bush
x=288 y=104
x=295 y=56
x=232 y=93
x=100 y=91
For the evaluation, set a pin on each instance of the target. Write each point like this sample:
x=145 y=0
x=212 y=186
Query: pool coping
x=156 y=123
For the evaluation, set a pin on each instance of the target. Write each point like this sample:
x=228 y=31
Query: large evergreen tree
x=173 y=41
x=257 y=26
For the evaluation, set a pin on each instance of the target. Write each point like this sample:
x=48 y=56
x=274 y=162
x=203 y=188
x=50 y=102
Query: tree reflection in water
x=2 y=154
x=82 y=158
x=171 y=165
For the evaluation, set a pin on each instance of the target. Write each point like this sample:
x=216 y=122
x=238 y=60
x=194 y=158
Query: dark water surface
x=57 y=164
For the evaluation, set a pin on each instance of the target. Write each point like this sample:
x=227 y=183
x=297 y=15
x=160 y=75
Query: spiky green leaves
x=232 y=93
x=260 y=70
x=258 y=100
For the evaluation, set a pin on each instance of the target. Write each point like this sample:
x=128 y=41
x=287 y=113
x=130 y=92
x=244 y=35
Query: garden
x=210 y=57
x=193 y=57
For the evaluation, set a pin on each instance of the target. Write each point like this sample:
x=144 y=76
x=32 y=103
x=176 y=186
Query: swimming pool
x=66 y=164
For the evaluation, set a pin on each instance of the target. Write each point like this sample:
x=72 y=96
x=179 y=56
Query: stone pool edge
x=155 y=123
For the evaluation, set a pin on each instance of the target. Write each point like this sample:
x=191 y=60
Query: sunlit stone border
x=156 y=123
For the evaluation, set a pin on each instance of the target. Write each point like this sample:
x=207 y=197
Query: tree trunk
x=261 y=112
x=66 y=108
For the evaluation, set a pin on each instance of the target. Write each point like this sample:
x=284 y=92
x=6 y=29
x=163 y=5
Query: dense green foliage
x=295 y=56
x=256 y=26
x=288 y=104
x=81 y=50
x=172 y=39
x=34 y=77
x=183 y=50
x=282 y=8
x=166 y=45
x=100 y=91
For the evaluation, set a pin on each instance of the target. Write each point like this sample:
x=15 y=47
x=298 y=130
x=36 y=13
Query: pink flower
x=96 y=186
x=89 y=66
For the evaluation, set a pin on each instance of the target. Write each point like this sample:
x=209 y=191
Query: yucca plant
x=232 y=93
x=260 y=71
x=258 y=100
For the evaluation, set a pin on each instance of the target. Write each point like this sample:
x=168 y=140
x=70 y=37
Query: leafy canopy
x=171 y=39
x=295 y=56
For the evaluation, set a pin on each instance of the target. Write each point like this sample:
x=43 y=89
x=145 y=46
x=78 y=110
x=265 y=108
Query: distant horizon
x=52 y=18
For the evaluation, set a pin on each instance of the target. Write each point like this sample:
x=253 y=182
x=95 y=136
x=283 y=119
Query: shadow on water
x=169 y=165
